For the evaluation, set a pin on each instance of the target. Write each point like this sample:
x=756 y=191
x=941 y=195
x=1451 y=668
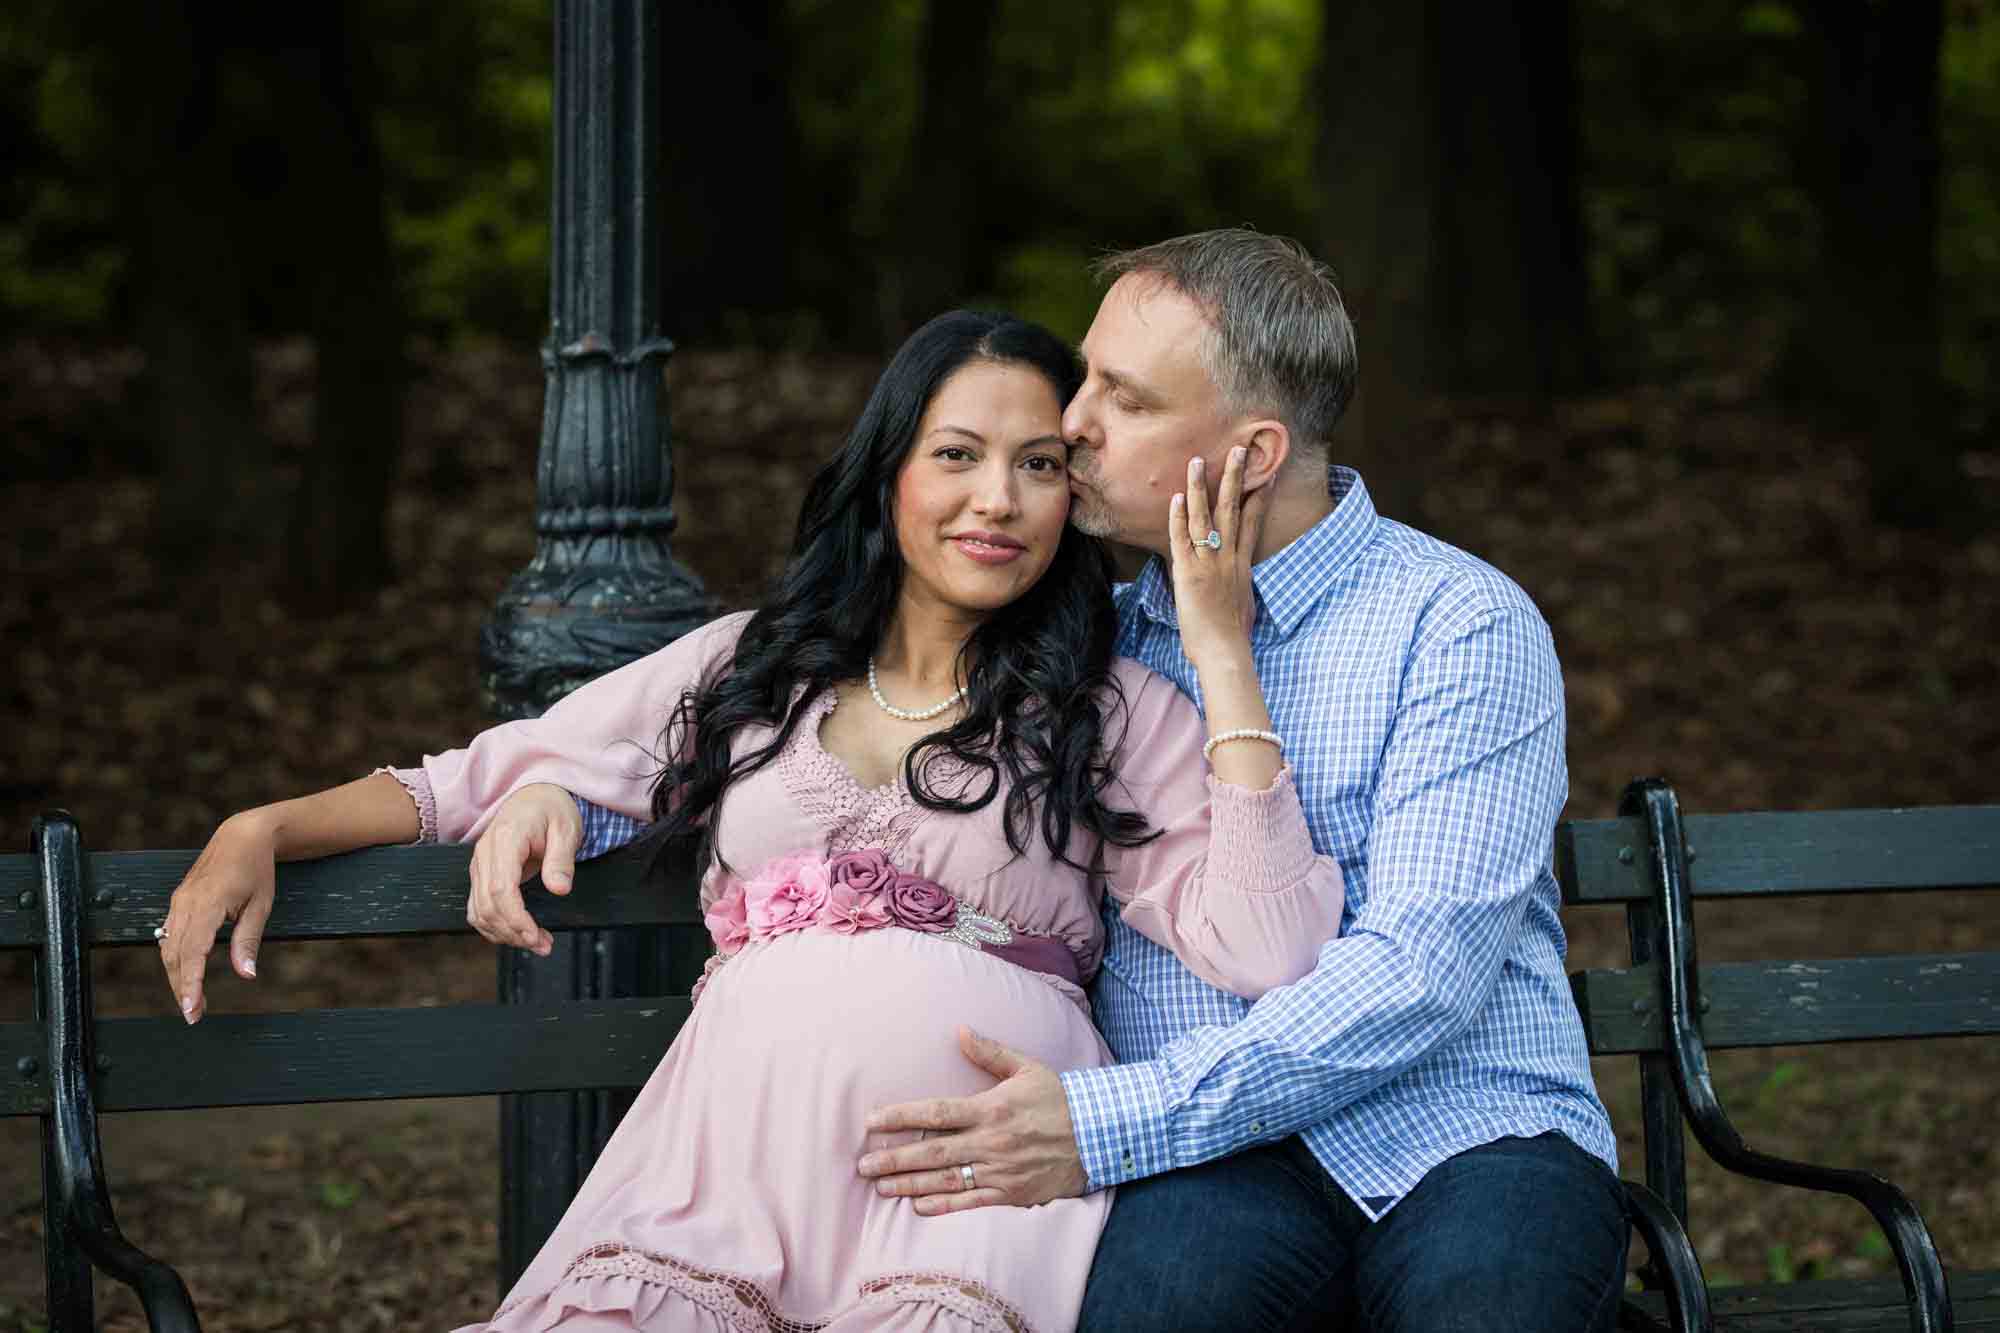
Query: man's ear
x=1270 y=444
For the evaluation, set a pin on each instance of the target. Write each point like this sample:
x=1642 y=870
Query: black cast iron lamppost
x=603 y=587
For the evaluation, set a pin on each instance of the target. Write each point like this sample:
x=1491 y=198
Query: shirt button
x=1256 y=1127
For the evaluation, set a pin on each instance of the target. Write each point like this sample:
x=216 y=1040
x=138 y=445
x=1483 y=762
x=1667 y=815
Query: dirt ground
x=1726 y=615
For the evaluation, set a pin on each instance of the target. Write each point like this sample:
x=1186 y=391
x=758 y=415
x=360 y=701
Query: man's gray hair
x=1280 y=341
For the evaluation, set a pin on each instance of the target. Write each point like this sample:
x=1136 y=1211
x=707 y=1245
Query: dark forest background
x=1683 y=315
x=1525 y=199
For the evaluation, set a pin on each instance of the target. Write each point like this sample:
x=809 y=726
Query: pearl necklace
x=907 y=714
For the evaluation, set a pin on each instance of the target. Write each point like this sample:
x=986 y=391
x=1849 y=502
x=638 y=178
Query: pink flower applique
x=917 y=903
x=728 y=925
x=867 y=870
x=785 y=895
x=851 y=910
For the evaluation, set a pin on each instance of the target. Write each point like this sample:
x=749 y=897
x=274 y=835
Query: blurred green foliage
x=1110 y=122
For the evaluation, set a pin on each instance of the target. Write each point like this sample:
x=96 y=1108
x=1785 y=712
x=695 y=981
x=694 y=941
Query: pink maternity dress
x=728 y=1199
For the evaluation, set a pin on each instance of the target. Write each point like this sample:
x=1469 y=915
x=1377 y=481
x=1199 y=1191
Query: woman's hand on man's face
x=1213 y=597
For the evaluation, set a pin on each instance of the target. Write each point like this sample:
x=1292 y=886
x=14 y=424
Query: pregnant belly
x=867 y=1019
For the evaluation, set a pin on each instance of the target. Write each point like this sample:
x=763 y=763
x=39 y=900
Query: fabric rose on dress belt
x=850 y=910
x=917 y=903
x=727 y=921
x=854 y=895
x=865 y=871
x=786 y=895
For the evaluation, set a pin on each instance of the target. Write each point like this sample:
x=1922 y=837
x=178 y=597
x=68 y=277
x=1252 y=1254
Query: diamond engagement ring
x=965 y=1177
x=1213 y=541
x=159 y=932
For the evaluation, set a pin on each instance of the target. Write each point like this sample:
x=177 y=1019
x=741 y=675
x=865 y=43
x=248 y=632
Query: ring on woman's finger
x=1213 y=541
x=965 y=1177
x=159 y=932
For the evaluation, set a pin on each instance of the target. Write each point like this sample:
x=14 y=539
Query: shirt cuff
x=604 y=830
x=1119 y=1113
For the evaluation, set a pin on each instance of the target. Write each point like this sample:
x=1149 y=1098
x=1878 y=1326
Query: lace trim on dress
x=854 y=816
x=742 y=1304
x=418 y=784
x=974 y=1302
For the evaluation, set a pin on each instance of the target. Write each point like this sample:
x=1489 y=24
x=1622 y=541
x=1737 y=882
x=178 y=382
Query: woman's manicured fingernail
x=187 y=1007
x=1238 y=454
x=249 y=967
x=1196 y=466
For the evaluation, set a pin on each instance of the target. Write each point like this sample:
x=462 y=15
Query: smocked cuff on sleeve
x=418 y=784
x=1119 y=1113
x=1260 y=837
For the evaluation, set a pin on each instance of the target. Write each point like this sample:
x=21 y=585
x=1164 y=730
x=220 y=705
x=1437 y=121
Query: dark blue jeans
x=1517 y=1236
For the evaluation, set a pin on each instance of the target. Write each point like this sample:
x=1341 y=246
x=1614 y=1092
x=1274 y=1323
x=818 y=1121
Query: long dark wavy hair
x=1037 y=671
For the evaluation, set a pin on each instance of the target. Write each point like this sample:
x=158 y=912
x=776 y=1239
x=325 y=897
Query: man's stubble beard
x=1089 y=515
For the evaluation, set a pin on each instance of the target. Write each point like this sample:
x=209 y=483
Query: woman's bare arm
x=233 y=878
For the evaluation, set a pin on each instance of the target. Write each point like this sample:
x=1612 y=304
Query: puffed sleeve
x=1232 y=884
x=601 y=742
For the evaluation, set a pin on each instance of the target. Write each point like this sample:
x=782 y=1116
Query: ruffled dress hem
x=656 y=1290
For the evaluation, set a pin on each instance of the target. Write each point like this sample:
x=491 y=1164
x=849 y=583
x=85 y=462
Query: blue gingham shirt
x=1422 y=708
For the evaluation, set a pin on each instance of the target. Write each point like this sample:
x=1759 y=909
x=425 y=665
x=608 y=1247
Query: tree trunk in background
x=338 y=552
x=1380 y=192
x=215 y=470
x=1869 y=348
x=938 y=253
x=728 y=161
x=1512 y=306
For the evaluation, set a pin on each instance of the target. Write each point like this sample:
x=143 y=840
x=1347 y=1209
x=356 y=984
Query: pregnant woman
x=911 y=774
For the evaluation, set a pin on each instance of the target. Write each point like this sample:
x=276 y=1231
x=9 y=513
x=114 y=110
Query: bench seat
x=1823 y=1307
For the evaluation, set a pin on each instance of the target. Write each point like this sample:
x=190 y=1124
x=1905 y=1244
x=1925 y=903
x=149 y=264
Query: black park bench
x=65 y=1067
x=1669 y=1012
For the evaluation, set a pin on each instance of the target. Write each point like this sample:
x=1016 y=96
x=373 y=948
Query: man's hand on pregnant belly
x=1016 y=1137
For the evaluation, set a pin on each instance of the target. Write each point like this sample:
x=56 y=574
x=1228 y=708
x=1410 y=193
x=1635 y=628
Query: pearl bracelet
x=1246 y=734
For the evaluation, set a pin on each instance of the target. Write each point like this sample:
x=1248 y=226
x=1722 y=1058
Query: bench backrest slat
x=154 y=1064
x=381 y=891
x=1801 y=1002
x=1778 y=852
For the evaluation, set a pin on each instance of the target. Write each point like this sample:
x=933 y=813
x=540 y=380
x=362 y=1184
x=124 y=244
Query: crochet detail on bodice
x=853 y=815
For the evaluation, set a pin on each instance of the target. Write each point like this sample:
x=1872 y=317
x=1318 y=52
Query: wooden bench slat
x=1777 y=852
x=1800 y=1002
x=1835 y=1306
x=381 y=891
x=359 y=1054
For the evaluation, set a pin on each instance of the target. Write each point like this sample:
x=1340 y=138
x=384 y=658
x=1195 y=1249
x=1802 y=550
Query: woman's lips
x=987 y=553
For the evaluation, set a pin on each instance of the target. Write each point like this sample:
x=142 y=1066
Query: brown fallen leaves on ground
x=1726 y=614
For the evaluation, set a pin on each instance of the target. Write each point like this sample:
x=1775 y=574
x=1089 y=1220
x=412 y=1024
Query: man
x=1408 y=1138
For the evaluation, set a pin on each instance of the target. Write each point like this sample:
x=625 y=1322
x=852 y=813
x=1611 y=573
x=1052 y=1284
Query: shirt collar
x=1291 y=580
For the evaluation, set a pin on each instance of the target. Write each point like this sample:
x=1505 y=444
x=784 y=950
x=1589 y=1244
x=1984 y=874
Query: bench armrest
x=77 y=1203
x=1673 y=1260
x=1917 y=1257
